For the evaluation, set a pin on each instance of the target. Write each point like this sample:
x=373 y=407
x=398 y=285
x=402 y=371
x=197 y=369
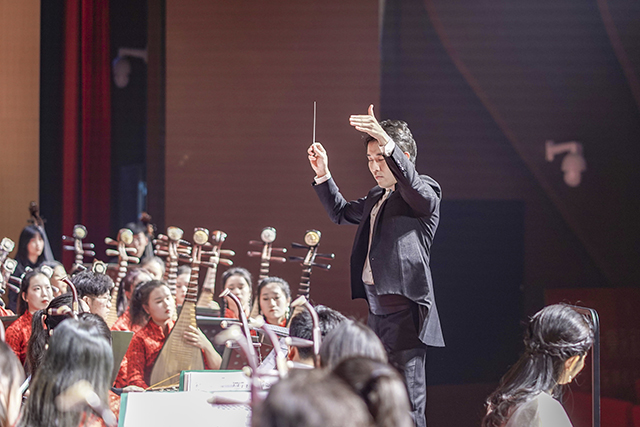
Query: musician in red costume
x=35 y=294
x=127 y=322
x=274 y=298
x=146 y=344
x=238 y=280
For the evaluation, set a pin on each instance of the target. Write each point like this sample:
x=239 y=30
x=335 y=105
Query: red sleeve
x=120 y=324
x=114 y=404
x=121 y=378
x=136 y=359
x=14 y=337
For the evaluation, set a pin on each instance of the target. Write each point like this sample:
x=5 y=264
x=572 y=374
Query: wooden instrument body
x=312 y=240
x=125 y=236
x=176 y=355
x=79 y=248
x=171 y=246
x=267 y=236
x=209 y=285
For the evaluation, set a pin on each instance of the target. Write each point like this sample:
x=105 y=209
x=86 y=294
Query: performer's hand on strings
x=369 y=124
x=318 y=159
x=195 y=337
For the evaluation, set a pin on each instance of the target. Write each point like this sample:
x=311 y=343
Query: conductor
x=397 y=221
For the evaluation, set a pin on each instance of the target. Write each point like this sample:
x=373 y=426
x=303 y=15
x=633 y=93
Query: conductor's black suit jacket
x=401 y=242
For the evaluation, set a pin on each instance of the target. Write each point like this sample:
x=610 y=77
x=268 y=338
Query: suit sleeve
x=423 y=195
x=339 y=209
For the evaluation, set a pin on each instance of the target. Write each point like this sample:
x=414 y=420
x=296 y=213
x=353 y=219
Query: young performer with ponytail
x=132 y=280
x=156 y=302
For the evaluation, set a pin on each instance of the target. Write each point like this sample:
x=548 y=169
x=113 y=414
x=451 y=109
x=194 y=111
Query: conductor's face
x=378 y=166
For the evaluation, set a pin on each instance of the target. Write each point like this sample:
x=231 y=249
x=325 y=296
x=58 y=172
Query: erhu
x=125 y=238
x=80 y=249
x=268 y=236
x=209 y=285
x=176 y=355
x=311 y=240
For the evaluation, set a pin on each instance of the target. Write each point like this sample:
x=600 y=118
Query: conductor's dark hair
x=399 y=131
x=349 y=339
x=140 y=298
x=91 y=284
x=12 y=376
x=77 y=351
x=22 y=256
x=381 y=387
x=302 y=326
x=24 y=288
x=555 y=334
x=311 y=398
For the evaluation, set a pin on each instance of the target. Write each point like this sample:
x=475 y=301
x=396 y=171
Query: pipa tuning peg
x=324 y=266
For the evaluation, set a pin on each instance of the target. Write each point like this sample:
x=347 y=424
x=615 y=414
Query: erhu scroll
x=311 y=240
x=125 y=238
x=80 y=249
x=176 y=355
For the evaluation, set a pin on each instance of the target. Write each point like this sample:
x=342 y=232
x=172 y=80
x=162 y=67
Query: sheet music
x=171 y=409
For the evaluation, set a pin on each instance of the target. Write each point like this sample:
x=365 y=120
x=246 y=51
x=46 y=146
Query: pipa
x=176 y=355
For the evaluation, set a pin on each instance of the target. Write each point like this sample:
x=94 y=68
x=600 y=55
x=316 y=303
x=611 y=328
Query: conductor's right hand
x=318 y=159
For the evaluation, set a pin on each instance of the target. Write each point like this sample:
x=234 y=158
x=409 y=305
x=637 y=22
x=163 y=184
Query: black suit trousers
x=399 y=335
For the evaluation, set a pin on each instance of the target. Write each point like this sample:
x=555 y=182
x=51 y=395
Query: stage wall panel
x=241 y=81
x=19 y=112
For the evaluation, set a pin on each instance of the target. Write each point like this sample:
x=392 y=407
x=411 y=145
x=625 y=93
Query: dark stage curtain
x=86 y=120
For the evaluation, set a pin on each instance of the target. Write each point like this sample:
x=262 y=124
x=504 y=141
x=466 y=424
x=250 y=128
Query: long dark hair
x=40 y=334
x=140 y=298
x=311 y=398
x=381 y=387
x=77 y=351
x=12 y=376
x=555 y=334
x=22 y=256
